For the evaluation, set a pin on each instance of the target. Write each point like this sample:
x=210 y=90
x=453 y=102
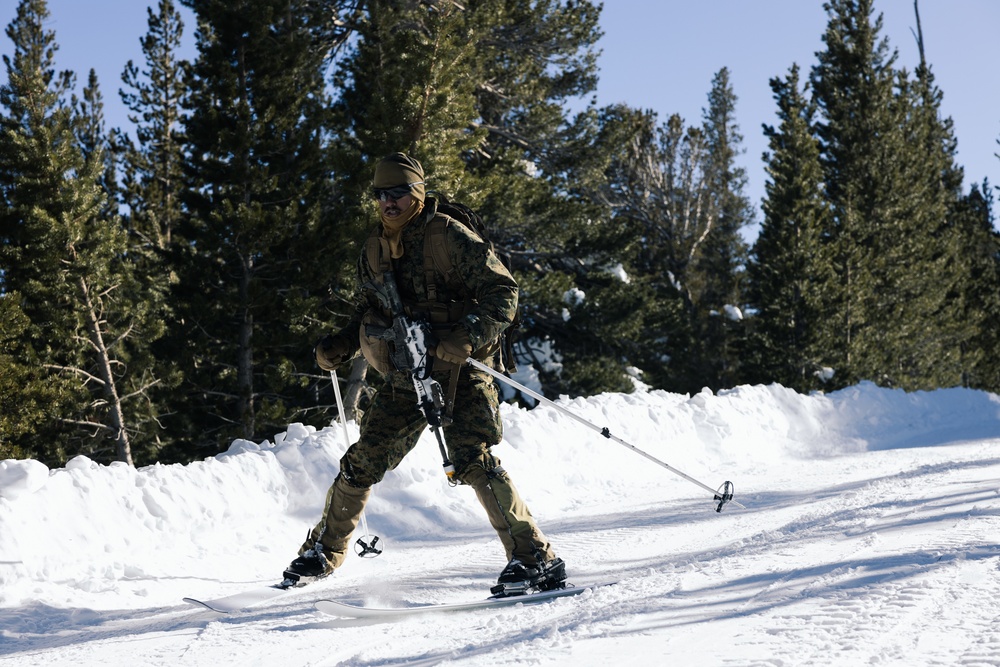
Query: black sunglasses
x=394 y=193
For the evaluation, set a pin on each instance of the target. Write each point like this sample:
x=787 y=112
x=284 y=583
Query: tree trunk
x=123 y=449
x=244 y=352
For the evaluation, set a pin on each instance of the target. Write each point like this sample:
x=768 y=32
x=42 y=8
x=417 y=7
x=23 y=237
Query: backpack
x=437 y=258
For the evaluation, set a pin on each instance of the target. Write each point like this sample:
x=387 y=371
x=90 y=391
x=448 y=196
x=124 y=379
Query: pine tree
x=941 y=322
x=853 y=81
x=535 y=57
x=62 y=253
x=790 y=264
x=408 y=86
x=152 y=185
x=650 y=180
x=31 y=100
x=887 y=164
x=958 y=237
x=973 y=215
x=255 y=194
x=585 y=304
x=964 y=241
x=93 y=139
x=26 y=392
x=718 y=268
x=675 y=191
x=153 y=96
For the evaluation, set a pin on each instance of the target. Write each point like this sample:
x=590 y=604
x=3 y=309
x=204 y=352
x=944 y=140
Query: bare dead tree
x=919 y=34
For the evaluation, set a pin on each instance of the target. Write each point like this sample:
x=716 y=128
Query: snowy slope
x=871 y=536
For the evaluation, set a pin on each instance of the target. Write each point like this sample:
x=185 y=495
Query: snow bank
x=91 y=528
x=20 y=477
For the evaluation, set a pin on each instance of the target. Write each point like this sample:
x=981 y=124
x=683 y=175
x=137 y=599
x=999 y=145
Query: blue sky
x=662 y=55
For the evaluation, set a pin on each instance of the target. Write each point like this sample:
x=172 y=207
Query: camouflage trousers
x=390 y=429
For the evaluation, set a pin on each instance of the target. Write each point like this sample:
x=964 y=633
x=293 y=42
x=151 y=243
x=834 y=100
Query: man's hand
x=455 y=347
x=331 y=352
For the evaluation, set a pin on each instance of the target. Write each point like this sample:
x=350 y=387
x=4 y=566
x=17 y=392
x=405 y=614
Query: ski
x=250 y=598
x=346 y=610
x=241 y=600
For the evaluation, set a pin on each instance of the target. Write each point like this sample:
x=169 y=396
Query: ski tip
x=204 y=605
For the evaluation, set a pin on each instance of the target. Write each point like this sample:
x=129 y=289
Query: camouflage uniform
x=393 y=423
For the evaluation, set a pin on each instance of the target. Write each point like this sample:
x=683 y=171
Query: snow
x=574 y=296
x=730 y=312
x=733 y=312
x=870 y=536
x=619 y=272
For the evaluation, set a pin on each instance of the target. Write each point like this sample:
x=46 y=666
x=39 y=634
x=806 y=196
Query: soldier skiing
x=456 y=299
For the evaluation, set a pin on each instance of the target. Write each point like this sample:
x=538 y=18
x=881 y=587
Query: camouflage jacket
x=480 y=287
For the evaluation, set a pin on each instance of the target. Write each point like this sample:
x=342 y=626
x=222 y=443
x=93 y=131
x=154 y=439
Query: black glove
x=332 y=351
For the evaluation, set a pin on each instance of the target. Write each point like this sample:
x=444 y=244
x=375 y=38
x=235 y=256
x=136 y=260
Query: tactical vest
x=432 y=306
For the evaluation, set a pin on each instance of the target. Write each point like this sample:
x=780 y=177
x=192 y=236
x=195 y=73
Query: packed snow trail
x=870 y=537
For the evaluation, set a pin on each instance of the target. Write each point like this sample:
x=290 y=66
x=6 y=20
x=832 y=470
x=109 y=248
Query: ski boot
x=520 y=579
x=311 y=566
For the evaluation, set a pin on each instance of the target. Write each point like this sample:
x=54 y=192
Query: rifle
x=409 y=349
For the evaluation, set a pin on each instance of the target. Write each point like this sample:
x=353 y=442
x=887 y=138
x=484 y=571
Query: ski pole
x=364 y=545
x=723 y=495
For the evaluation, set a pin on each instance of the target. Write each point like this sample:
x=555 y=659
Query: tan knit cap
x=400 y=169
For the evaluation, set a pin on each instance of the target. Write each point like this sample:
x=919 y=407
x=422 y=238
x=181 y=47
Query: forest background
x=161 y=285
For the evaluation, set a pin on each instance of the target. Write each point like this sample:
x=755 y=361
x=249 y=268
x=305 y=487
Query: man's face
x=393 y=208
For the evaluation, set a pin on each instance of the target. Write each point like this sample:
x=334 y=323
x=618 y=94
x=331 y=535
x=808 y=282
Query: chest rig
x=433 y=291
x=430 y=287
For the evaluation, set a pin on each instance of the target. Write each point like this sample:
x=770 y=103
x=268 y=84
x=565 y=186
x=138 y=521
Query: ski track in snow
x=873 y=558
x=855 y=603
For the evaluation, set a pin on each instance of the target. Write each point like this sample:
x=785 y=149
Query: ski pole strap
x=606 y=432
x=449 y=405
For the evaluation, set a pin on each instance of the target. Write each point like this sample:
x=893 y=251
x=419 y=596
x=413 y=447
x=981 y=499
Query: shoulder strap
x=437 y=259
x=377 y=253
